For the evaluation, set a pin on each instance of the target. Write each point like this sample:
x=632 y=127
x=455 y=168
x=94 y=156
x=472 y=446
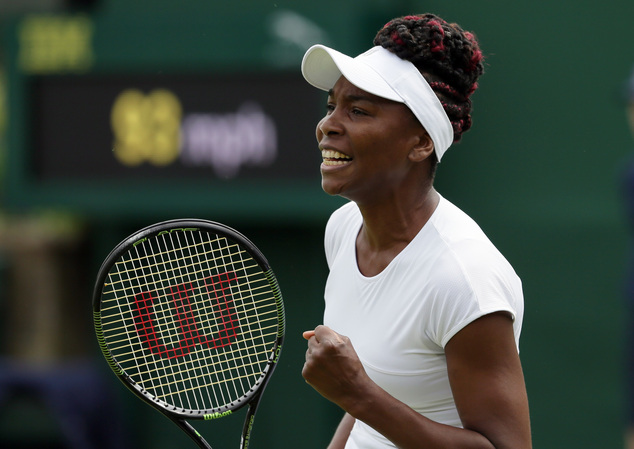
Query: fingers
x=322 y=334
x=313 y=333
x=308 y=334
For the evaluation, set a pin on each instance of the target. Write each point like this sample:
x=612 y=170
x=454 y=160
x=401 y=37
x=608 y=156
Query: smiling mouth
x=332 y=157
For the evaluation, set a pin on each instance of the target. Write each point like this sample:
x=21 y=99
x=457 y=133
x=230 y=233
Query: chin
x=330 y=189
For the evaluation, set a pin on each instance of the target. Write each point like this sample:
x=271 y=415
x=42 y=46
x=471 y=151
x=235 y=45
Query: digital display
x=224 y=127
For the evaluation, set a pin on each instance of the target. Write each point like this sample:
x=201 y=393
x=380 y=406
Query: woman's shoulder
x=465 y=242
x=345 y=215
x=453 y=223
x=343 y=222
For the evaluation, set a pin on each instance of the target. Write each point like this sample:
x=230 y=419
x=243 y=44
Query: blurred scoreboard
x=122 y=116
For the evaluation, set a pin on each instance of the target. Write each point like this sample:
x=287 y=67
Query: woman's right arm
x=341 y=434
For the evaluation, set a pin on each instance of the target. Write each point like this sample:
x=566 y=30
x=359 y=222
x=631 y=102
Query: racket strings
x=227 y=252
x=258 y=290
x=163 y=340
x=180 y=379
x=132 y=266
x=119 y=334
x=234 y=357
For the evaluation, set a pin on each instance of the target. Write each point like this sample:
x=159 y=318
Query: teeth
x=332 y=154
x=332 y=157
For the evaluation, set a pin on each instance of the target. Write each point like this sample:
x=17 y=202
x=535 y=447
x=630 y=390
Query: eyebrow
x=367 y=98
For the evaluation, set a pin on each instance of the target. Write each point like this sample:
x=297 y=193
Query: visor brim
x=322 y=67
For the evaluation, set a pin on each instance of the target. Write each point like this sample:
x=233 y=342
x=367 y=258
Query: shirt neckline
x=396 y=258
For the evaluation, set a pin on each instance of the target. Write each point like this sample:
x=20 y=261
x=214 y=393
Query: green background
x=539 y=171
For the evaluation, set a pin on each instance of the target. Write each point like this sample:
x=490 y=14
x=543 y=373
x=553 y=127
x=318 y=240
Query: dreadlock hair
x=447 y=56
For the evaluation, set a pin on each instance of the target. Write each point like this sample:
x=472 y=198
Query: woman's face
x=366 y=143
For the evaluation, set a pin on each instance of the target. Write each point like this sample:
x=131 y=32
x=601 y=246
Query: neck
x=388 y=229
x=396 y=221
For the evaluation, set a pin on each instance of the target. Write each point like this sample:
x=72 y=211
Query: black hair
x=448 y=57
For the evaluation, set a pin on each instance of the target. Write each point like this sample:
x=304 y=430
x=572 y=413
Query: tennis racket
x=189 y=315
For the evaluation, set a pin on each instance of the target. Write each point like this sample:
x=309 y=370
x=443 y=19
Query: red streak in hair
x=396 y=38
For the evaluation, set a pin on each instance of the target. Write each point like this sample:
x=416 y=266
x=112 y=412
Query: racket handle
x=248 y=424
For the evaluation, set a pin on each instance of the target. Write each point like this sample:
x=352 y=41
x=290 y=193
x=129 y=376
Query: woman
x=423 y=315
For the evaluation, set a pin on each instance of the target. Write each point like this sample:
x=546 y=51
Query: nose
x=329 y=125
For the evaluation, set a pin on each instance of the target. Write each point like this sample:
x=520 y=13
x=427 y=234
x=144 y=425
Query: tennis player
x=423 y=314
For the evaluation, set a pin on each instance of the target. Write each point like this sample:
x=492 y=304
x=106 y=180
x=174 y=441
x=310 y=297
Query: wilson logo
x=217 y=415
x=217 y=312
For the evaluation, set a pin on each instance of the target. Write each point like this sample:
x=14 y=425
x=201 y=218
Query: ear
x=422 y=149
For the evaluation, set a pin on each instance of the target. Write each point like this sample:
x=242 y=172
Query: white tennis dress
x=400 y=320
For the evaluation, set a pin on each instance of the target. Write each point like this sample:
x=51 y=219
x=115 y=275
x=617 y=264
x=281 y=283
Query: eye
x=357 y=111
x=330 y=107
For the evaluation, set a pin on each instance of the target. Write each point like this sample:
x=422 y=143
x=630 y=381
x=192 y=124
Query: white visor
x=380 y=72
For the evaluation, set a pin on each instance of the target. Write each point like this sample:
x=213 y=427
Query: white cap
x=380 y=72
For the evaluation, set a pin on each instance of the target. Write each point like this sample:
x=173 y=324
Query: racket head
x=189 y=315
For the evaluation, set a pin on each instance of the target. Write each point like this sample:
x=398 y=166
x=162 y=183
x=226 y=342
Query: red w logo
x=223 y=317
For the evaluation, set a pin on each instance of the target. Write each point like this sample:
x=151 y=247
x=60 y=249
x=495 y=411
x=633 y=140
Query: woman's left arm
x=487 y=381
